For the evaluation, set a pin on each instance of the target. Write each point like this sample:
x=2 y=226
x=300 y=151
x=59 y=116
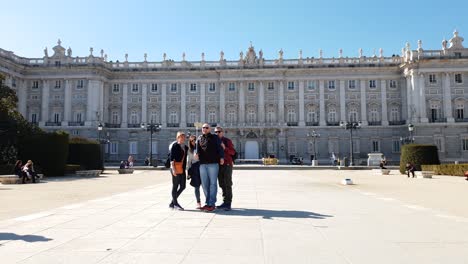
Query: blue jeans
x=209 y=179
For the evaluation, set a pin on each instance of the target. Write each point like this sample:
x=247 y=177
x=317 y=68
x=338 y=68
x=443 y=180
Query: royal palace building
x=278 y=106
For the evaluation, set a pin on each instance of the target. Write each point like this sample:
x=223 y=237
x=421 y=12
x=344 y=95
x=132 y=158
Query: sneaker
x=222 y=206
x=178 y=207
x=210 y=209
x=199 y=207
x=171 y=205
x=227 y=207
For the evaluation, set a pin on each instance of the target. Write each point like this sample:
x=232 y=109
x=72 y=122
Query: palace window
x=396 y=146
x=78 y=117
x=332 y=115
x=193 y=87
x=464 y=144
x=212 y=87
x=331 y=85
x=115 y=117
x=33 y=118
x=435 y=111
x=251 y=116
x=251 y=86
x=290 y=86
x=173 y=87
x=458 y=78
x=271 y=86
x=133 y=147
x=231 y=117
x=432 y=78
x=58 y=84
x=311 y=85
x=116 y=88
x=57 y=118
x=460 y=111
x=439 y=142
x=135 y=88
x=173 y=118
x=271 y=116
x=393 y=84
x=394 y=114
x=154 y=87
x=232 y=87
x=114 y=147
x=212 y=116
x=193 y=116
x=311 y=116
x=80 y=84
x=291 y=115
x=352 y=84
x=375 y=146
x=35 y=85
x=154 y=117
x=134 y=117
x=374 y=115
x=353 y=115
x=372 y=84
x=292 y=148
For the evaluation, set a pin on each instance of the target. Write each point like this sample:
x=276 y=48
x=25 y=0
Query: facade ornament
x=203 y=56
x=419 y=45
x=381 y=53
x=444 y=44
x=456 y=42
x=241 y=56
x=320 y=53
x=341 y=53
x=69 y=52
x=402 y=52
x=126 y=57
x=251 y=57
x=360 y=52
x=102 y=53
x=221 y=56
x=145 y=56
x=183 y=56
x=91 y=51
x=280 y=54
x=59 y=42
x=105 y=57
x=300 y=54
x=46 y=53
x=164 y=56
x=260 y=55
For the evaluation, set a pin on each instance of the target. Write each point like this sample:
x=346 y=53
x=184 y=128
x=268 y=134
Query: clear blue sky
x=154 y=27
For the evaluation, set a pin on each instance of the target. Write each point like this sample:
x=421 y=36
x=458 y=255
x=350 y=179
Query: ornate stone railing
x=312 y=123
x=397 y=123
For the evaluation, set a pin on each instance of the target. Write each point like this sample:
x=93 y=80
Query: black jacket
x=209 y=149
x=177 y=153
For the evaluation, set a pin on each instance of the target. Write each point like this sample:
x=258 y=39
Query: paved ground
x=279 y=217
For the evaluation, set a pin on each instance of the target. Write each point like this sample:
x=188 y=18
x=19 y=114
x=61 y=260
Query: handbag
x=178 y=165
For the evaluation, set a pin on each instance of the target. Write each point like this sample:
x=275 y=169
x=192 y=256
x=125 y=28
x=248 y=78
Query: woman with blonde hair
x=178 y=160
x=28 y=170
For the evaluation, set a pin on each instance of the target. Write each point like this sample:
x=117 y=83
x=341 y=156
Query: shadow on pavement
x=27 y=238
x=268 y=214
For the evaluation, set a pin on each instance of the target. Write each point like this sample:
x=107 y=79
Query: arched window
x=193 y=116
x=353 y=114
x=251 y=116
x=173 y=118
x=374 y=115
x=154 y=117
x=460 y=108
x=332 y=114
x=231 y=116
x=311 y=115
x=271 y=115
x=115 y=117
x=435 y=110
x=134 y=117
x=394 y=113
x=291 y=115
x=212 y=116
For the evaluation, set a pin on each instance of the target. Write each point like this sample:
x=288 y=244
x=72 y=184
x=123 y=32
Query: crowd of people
x=25 y=172
x=206 y=161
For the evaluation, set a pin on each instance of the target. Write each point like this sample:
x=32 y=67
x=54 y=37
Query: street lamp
x=151 y=128
x=410 y=139
x=314 y=135
x=99 y=128
x=350 y=126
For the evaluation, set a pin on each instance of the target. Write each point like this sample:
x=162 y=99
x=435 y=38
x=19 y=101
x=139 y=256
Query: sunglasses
x=205 y=127
x=217 y=132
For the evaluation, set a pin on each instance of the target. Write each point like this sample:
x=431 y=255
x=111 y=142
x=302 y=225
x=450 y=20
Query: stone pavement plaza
x=281 y=216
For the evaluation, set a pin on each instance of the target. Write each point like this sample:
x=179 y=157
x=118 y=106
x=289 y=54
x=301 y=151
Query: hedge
x=418 y=155
x=48 y=151
x=6 y=169
x=447 y=169
x=85 y=153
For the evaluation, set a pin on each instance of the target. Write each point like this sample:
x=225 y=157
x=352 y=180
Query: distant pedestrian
x=225 y=170
x=193 y=169
x=130 y=161
x=147 y=161
x=211 y=155
x=410 y=169
x=178 y=164
x=333 y=159
x=29 y=172
x=123 y=164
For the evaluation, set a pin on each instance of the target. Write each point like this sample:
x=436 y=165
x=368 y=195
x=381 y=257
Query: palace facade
x=267 y=107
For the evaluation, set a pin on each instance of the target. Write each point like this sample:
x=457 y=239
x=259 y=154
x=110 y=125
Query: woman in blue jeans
x=193 y=169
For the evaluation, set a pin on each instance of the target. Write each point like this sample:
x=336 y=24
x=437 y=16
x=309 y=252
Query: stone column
x=164 y=105
x=222 y=103
x=22 y=98
x=183 y=104
x=261 y=103
x=422 y=99
x=124 y=106
x=322 y=113
x=45 y=103
x=67 y=103
x=241 y=104
x=409 y=100
x=342 y=101
x=415 y=99
x=447 y=92
x=144 y=103
x=301 y=104
x=101 y=101
x=105 y=102
x=281 y=103
x=203 y=103
x=92 y=105
x=383 y=87
x=362 y=84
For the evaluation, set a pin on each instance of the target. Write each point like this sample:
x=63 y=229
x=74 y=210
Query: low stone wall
x=88 y=173
x=125 y=171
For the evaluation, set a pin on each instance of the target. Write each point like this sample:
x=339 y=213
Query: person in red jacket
x=225 y=170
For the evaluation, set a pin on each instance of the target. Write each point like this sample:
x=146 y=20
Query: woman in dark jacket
x=18 y=169
x=178 y=154
x=193 y=169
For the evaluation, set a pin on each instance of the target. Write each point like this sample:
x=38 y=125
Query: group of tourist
x=127 y=164
x=25 y=172
x=207 y=160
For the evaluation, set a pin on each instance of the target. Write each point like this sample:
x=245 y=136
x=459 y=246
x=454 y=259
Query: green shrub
x=418 y=155
x=85 y=153
x=6 y=169
x=447 y=169
x=71 y=168
x=48 y=151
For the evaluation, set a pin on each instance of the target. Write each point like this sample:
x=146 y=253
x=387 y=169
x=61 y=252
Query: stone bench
x=88 y=173
x=125 y=171
x=13 y=179
x=381 y=171
x=424 y=174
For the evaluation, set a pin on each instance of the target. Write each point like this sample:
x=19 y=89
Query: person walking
x=410 y=169
x=193 y=169
x=225 y=170
x=178 y=163
x=211 y=155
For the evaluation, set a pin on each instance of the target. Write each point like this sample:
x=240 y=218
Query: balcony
x=374 y=123
x=437 y=120
x=292 y=123
x=107 y=125
x=397 y=123
x=75 y=123
x=460 y=120
x=312 y=123
x=190 y=125
x=172 y=124
x=134 y=126
x=333 y=123
x=53 y=123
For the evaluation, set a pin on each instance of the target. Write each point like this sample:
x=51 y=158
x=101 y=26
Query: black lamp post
x=350 y=126
x=410 y=139
x=151 y=128
x=314 y=135
x=99 y=128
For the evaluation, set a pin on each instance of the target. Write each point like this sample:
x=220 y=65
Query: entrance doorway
x=251 y=150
